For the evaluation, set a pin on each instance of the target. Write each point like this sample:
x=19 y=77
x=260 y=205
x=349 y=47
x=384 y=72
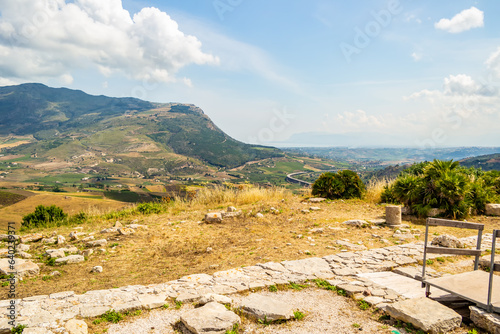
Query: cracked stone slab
x=266 y=308
x=150 y=302
x=273 y=266
x=212 y=318
x=402 y=285
x=426 y=314
x=311 y=266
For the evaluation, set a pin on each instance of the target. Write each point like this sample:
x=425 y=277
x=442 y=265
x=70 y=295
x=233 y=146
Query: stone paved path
x=52 y=312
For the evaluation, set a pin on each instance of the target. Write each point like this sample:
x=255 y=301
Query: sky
x=283 y=72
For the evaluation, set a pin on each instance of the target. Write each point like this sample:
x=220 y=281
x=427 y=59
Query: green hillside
x=485 y=162
x=117 y=134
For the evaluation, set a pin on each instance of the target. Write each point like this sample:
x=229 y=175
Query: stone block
x=426 y=314
x=211 y=318
x=393 y=215
x=75 y=326
x=266 y=308
x=213 y=217
x=485 y=320
x=493 y=209
x=70 y=259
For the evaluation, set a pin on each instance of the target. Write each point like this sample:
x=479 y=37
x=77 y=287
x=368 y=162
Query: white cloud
x=51 y=38
x=458 y=88
x=187 y=82
x=416 y=56
x=66 y=79
x=493 y=63
x=460 y=84
x=358 y=120
x=413 y=18
x=463 y=21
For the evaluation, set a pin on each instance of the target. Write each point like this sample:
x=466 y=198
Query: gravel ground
x=325 y=311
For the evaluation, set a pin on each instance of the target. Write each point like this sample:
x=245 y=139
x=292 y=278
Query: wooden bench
x=477 y=286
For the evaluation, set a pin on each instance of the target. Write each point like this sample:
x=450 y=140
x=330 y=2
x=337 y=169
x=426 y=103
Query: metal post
x=425 y=253
x=492 y=269
x=476 y=260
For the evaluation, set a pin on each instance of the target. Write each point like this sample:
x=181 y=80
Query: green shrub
x=458 y=191
x=298 y=315
x=296 y=286
x=323 y=284
x=44 y=216
x=363 y=305
x=234 y=330
x=77 y=219
x=18 y=329
x=343 y=184
x=112 y=316
x=150 y=208
x=178 y=304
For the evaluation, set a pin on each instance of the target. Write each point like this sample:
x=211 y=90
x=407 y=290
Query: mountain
x=60 y=124
x=486 y=162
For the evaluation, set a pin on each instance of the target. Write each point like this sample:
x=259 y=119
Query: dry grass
x=70 y=204
x=241 y=195
x=176 y=243
x=375 y=188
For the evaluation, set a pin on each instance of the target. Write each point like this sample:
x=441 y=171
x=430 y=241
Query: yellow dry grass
x=240 y=195
x=374 y=189
x=177 y=243
x=156 y=188
x=70 y=204
x=10 y=145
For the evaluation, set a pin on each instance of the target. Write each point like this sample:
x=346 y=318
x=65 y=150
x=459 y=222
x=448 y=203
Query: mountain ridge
x=69 y=125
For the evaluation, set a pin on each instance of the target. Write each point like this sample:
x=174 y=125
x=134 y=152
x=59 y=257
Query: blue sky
x=317 y=72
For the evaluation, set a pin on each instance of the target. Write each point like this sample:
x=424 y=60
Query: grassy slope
x=8 y=198
x=486 y=162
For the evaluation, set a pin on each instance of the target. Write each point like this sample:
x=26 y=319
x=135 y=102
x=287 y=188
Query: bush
x=444 y=185
x=343 y=184
x=150 y=208
x=44 y=216
x=79 y=218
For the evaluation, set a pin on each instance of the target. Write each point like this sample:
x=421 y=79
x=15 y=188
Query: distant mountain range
x=394 y=155
x=69 y=125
